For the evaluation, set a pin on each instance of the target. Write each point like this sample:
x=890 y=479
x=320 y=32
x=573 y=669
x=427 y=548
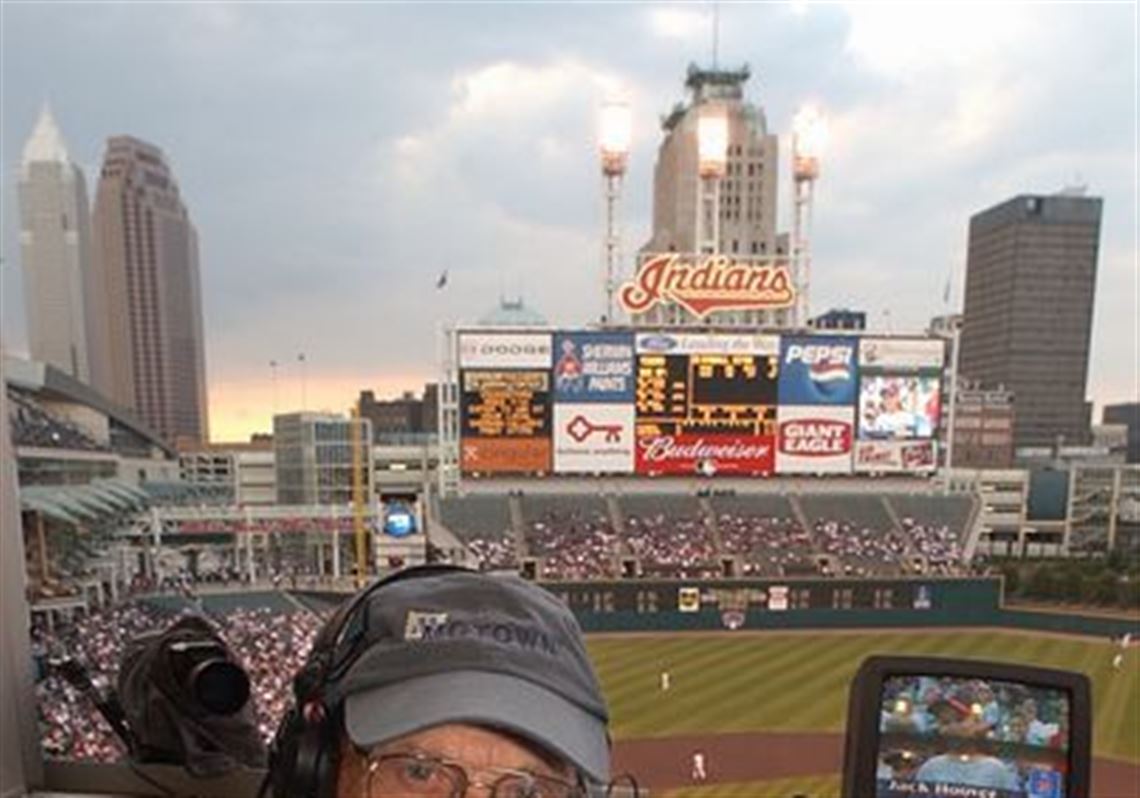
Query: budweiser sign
x=688 y=453
x=703 y=284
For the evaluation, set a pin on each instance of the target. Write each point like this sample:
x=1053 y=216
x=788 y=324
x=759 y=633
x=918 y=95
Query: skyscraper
x=60 y=297
x=747 y=190
x=1030 y=280
x=147 y=265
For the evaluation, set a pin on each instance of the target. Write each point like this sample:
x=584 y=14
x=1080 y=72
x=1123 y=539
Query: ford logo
x=657 y=343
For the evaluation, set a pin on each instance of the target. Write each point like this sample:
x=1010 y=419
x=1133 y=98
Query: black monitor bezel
x=861 y=746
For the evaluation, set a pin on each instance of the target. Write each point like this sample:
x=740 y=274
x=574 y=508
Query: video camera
x=181 y=699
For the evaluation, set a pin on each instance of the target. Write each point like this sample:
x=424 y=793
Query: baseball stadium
x=730 y=584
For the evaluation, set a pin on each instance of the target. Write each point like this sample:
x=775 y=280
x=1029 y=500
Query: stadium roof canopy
x=42 y=379
x=81 y=504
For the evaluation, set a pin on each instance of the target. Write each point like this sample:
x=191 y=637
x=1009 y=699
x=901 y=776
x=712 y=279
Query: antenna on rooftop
x=715 y=32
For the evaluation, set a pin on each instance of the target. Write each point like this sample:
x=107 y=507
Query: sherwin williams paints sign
x=594 y=367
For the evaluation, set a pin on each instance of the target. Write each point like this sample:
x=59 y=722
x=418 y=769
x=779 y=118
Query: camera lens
x=220 y=686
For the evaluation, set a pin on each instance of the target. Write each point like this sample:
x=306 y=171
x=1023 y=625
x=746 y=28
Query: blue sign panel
x=399 y=521
x=818 y=369
x=594 y=367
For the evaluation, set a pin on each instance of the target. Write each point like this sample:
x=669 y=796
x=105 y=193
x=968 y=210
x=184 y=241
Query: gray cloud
x=335 y=159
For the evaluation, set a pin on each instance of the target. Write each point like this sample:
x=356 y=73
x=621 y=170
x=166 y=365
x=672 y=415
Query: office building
x=314 y=457
x=147 y=264
x=839 y=319
x=60 y=297
x=747 y=225
x=1128 y=415
x=401 y=420
x=1030 y=278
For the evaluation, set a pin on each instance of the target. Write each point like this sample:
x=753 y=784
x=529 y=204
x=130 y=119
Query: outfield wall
x=679 y=605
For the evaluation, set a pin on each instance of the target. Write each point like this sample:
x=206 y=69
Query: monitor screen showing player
x=971 y=738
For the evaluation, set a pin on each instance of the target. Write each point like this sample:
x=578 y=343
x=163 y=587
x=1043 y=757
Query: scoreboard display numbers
x=707 y=393
x=506 y=404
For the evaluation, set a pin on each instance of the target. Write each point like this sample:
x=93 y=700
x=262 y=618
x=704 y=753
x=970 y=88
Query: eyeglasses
x=421 y=776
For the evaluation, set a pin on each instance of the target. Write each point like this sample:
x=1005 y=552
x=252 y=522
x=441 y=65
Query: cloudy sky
x=336 y=158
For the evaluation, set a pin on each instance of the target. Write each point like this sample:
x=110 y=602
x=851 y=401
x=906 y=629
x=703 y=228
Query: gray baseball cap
x=463 y=647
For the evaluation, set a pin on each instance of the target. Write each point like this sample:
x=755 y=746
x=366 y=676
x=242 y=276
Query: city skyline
x=323 y=155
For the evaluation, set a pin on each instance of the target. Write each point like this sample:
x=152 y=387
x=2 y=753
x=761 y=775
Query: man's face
x=481 y=751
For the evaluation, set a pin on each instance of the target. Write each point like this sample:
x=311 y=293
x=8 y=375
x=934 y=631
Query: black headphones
x=303 y=758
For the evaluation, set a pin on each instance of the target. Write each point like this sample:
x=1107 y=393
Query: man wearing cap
x=445 y=682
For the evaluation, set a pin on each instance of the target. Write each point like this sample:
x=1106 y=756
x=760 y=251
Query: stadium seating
x=483 y=524
x=670 y=536
x=572 y=535
x=763 y=532
x=856 y=529
x=33 y=425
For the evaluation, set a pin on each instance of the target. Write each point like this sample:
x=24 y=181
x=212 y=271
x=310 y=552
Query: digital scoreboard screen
x=506 y=404
x=708 y=393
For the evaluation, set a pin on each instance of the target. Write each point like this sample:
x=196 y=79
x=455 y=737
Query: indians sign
x=703 y=284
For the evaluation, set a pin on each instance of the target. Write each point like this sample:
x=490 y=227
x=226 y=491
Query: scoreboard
x=505 y=421
x=679 y=394
x=696 y=403
x=506 y=404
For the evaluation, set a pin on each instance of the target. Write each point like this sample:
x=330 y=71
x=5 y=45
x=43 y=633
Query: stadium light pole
x=613 y=146
x=809 y=137
x=712 y=162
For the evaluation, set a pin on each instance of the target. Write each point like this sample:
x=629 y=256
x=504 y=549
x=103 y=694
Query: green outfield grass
x=799 y=682
x=777 y=788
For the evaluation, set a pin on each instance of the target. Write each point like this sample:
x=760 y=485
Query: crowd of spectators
x=767 y=546
x=672 y=546
x=938 y=543
x=271 y=645
x=492 y=553
x=573 y=545
x=34 y=425
x=862 y=550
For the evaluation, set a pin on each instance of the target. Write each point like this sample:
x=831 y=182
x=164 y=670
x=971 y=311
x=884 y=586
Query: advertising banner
x=504 y=421
x=593 y=367
x=778 y=598
x=504 y=350
x=505 y=455
x=703 y=284
x=818 y=370
x=899 y=407
x=705 y=454
x=902 y=354
x=814 y=439
x=593 y=438
x=891 y=457
x=667 y=343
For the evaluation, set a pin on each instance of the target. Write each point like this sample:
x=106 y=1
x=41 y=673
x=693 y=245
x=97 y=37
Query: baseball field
x=768 y=708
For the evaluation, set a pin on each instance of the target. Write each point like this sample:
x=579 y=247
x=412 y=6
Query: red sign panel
x=713 y=453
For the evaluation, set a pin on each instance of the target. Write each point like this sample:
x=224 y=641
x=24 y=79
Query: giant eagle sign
x=703 y=284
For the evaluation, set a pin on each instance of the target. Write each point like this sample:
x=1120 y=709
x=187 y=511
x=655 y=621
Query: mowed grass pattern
x=799 y=682
x=815 y=786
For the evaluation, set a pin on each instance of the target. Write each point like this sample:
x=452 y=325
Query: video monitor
x=966 y=729
x=956 y=732
x=899 y=407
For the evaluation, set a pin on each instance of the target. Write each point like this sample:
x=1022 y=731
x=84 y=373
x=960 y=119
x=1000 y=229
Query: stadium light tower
x=809 y=138
x=613 y=146
x=712 y=161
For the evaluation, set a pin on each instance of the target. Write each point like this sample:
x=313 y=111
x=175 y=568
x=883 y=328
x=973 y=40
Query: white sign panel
x=778 y=598
x=504 y=350
x=665 y=343
x=901 y=353
x=814 y=439
x=890 y=457
x=593 y=438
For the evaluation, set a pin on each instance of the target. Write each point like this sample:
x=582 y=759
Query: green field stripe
x=824 y=670
x=645 y=668
x=826 y=786
x=1116 y=707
